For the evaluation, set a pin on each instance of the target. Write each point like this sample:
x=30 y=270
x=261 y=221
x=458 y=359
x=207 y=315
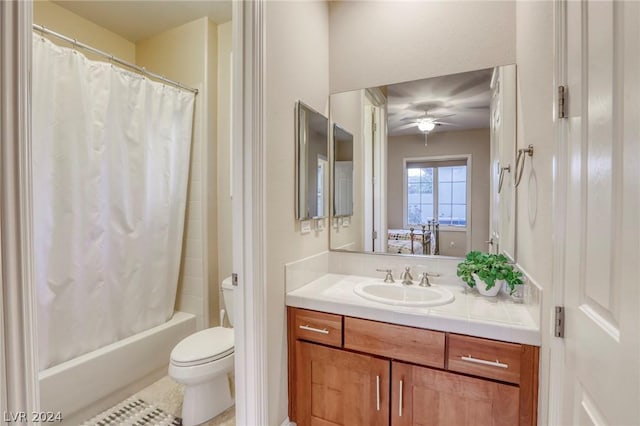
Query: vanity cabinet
x=425 y=396
x=351 y=371
x=338 y=387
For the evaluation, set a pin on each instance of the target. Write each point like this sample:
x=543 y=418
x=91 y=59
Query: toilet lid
x=202 y=347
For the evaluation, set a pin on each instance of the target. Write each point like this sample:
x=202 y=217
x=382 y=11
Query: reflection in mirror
x=342 y=172
x=427 y=157
x=312 y=163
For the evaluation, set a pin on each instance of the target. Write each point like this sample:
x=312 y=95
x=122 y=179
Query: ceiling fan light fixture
x=426 y=125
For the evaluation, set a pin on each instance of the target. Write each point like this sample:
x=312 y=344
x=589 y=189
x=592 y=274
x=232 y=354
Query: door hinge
x=562 y=101
x=234 y=279
x=559 y=322
x=375 y=235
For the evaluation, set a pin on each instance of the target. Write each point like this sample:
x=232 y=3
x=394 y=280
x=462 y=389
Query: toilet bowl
x=202 y=363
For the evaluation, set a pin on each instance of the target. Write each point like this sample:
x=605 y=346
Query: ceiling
x=138 y=20
x=460 y=100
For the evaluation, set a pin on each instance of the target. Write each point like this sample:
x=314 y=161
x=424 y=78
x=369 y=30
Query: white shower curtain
x=110 y=167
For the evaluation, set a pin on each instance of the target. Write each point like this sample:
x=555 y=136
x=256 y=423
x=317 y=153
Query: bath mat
x=134 y=412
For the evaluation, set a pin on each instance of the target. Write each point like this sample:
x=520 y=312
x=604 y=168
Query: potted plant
x=488 y=271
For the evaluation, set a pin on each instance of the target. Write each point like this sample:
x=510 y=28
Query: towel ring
x=501 y=179
x=520 y=164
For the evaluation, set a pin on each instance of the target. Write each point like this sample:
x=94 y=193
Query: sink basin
x=400 y=295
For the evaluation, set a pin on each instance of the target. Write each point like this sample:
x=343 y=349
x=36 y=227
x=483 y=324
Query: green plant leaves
x=489 y=268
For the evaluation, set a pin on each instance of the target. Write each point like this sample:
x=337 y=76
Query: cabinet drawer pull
x=400 y=401
x=315 y=330
x=378 y=393
x=495 y=363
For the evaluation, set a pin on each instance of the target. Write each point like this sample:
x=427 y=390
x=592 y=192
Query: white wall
x=374 y=43
x=535 y=60
x=225 y=235
x=347 y=111
x=188 y=54
x=67 y=23
x=297 y=68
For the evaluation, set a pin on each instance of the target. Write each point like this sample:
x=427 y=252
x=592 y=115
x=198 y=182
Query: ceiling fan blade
x=447 y=124
x=440 y=117
x=406 y=126
x=478 y=84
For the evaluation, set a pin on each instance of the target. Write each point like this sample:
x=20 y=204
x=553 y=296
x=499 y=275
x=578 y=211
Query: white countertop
x=470 y=313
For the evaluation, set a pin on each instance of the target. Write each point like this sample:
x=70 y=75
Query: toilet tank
x=227 y=295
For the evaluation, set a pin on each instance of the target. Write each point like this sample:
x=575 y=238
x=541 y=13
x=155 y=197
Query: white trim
x=18 y=372
x=249 y=212
x=202 y=105
x=554 y=394
x=467 y=157
x=287 y=422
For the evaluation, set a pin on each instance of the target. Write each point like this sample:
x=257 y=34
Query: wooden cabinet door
x=423 y=396
x=336 y=387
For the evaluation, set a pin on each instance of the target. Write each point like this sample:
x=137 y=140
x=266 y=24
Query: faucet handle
x=406 y=277
x=389 y=277
x=424 y=280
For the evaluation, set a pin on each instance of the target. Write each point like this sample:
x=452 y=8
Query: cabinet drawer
x=485 y=358
x=397 y=342
x=318 y=327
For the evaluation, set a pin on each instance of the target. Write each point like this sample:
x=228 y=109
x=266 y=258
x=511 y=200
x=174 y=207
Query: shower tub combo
x=84 y=386
x=110 y=172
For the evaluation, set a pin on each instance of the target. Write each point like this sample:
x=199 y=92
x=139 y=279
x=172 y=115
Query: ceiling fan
x=426 y=123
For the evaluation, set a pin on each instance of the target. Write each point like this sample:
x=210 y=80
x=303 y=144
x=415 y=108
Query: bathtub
x=83 y=387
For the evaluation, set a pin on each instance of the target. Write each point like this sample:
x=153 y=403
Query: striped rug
x=134 y=412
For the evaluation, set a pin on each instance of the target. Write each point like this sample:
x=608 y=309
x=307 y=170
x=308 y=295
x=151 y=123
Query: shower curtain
x=110 y=167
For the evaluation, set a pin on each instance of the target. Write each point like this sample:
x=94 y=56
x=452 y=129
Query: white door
x=496 y=174
x=601 y=367
x=375 y=148
x=503 y=149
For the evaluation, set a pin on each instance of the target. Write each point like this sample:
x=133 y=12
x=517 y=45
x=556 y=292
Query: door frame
x=554 y=392
x=248 y=204
x=18 y=355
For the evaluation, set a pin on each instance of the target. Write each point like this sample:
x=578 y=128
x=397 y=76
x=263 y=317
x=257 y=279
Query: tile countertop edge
x=484 y=328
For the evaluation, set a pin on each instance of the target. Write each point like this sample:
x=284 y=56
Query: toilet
x=202 y=362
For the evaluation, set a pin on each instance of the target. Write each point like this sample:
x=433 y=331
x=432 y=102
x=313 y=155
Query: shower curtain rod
x=43 y=30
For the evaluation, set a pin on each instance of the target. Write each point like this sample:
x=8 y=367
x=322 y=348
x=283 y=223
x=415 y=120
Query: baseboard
x=286 y=422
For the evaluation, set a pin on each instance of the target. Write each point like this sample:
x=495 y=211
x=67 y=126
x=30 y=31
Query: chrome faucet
x=389 y=277
x=424 y=280
x=406 y=277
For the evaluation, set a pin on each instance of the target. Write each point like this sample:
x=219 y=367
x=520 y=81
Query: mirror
x=312 y=163
x=342 y=172
x=427 y=159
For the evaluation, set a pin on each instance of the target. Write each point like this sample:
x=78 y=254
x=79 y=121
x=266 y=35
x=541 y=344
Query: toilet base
x=204 y=401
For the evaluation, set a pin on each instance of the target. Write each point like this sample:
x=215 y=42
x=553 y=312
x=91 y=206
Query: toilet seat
x=203 y=347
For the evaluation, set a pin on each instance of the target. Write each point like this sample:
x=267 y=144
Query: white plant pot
x=482 y=287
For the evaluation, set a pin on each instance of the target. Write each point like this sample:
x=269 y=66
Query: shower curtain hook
x=75 y=45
